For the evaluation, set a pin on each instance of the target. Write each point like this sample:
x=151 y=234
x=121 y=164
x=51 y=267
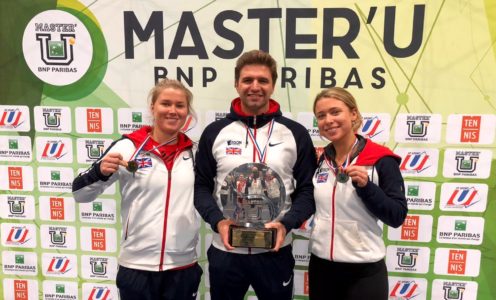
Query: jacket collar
x=138 y=137
x=237 y=114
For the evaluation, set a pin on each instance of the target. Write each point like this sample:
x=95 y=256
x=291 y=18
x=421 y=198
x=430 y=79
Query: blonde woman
x=154 y=168
x=357 y=183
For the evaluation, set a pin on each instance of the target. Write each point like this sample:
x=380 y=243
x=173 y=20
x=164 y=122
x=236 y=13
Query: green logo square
x=17 y=207
x=137 y=117
x=58 y=237
x=56 y=49
x=19 y=259
x=97 y=206
x=315 y=122
x=55 y=175
x=466 y=164
x=60 y=288
x=98 y=268
x=453 y=294
x=418 y=128
x=13 y=144
x=52 y=120
x=95 y=151
x=460 y=225
x=406 y=260
x=413 y=190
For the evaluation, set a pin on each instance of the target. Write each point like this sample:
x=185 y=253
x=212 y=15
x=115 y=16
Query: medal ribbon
x=136 y=153
x=262 y=154
x=339 y=169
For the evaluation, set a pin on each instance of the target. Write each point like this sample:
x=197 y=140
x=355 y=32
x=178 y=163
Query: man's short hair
x=256 y=57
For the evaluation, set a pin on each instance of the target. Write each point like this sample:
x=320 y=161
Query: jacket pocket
x=348 y=236
x=128 y=222
x=186 y=234
x=321 y=237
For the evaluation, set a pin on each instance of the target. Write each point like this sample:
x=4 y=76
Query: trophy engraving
x=252 y=194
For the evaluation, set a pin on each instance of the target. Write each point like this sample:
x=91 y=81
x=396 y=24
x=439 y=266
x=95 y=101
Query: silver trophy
x=252 y=194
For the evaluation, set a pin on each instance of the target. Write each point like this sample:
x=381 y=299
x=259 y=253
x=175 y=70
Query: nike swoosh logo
x=285 y=283
x=186 y=158
x=274 y=144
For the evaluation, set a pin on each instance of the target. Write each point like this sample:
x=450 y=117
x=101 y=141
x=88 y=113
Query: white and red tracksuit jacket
x=159 y=221
x=346 y=227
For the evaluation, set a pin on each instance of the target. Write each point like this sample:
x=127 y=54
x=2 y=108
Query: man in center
x=254 y=131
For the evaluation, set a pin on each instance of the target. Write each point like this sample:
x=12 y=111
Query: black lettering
x=207 y=78
x=159 y=73
x=417 y=32
x=264 y=15
x=188 y=22
x=329 y=40
x=292 y=38
x=307 y=77
x=377 y=74
x=154 y=25
x=353 y=79
x=324 y=77
x=288 y=79
x=188 y=78
x=230 y=35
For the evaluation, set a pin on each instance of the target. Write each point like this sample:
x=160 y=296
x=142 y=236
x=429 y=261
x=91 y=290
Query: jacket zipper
x=166 y=210
x=254 y=137
x=333 y=216
x=254 y=148
x=127 y=221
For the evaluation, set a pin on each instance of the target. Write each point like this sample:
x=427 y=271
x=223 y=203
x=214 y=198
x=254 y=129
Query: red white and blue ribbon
x=137 y=152
x=261 y=153
x=337 y=169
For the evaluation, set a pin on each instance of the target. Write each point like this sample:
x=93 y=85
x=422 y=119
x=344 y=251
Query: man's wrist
x=215 y=228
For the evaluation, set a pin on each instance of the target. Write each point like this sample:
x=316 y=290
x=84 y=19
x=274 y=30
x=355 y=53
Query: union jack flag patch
x=322 y=177
x=144 y=162
x=233 y=151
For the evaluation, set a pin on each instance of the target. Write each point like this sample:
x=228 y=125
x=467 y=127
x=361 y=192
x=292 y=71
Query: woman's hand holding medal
x=358 y=174
x=111 y=162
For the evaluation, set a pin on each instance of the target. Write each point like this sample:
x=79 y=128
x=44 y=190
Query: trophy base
x=252 y=237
